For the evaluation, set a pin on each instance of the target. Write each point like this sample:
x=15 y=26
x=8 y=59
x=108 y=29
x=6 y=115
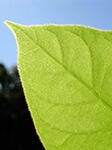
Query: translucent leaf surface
x=66 y=73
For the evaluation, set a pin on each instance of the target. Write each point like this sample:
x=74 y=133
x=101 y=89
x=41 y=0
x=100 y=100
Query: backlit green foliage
x=66 y=73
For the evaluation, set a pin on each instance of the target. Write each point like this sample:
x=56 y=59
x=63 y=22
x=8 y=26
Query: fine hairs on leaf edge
x=8 y=23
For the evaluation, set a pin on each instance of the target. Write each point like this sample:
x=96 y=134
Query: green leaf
x=66 y=73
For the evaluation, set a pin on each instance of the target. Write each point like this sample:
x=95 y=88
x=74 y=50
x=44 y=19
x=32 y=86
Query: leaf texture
x=66 y=73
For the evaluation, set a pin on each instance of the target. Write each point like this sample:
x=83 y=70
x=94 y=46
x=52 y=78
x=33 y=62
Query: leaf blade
x=64 y=86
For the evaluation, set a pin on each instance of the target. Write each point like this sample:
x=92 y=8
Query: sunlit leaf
x=66 y=73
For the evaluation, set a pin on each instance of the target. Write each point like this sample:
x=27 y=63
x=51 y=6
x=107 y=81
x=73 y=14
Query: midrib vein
x=71 y=73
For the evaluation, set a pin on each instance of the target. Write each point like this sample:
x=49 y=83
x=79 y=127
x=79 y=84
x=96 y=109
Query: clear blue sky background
x=94 y=13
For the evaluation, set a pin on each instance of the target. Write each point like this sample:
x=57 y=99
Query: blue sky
x=94 y=13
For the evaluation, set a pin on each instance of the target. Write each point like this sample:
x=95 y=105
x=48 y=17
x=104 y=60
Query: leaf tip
x=9 y=23
x=12 y=25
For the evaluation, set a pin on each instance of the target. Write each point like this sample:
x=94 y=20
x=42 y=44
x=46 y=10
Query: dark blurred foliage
x=17 y=131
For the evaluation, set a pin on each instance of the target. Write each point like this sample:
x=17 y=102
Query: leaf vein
x=71 y=73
